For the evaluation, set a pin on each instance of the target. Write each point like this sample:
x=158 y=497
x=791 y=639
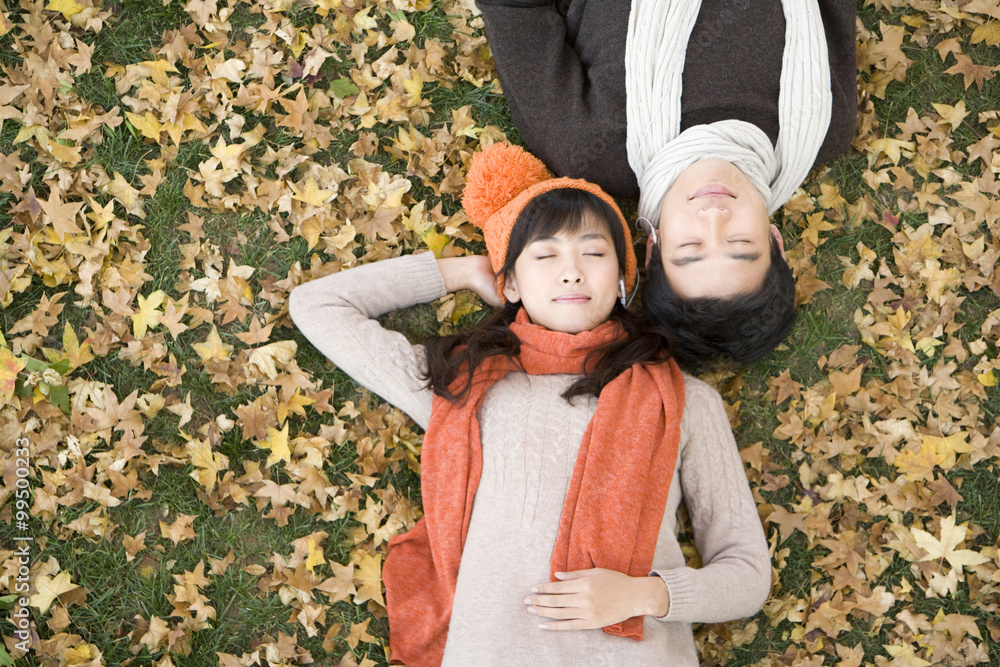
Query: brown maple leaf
x=971 y=72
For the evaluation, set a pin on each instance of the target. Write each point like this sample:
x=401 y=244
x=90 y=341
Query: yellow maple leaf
x=68 y=154
x=276 y=443
x=927 y=345
x=266 y=359
x=953 y=115
x=893 y=149
x=299 y=42
x=988 y=32
x=10 y=366
x=147 y=124
x=147 y=317
x=314 y=555
x=212 y=349
x=296 y=405
x=158 y=71
x=156 y=635
x=311 y=194
x=368 y=579
x=49 y=588
x=77 y=353
x=65 y=7
x=79 y=655
x=324 y=7
x=207 y=464
x=987 y=379
x=229 y=155
x=917 y=465
x=414 y=87
x=187 y=122
x=28 y=131
x=949 y=447
x=944 y=548
x=435 y=241
x=905 y=655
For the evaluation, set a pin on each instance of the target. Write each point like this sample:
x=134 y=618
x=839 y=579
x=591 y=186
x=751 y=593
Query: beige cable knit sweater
x=530 y=437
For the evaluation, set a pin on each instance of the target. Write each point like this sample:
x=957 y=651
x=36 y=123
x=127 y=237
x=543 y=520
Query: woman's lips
x=713 y=190
x=572 y=298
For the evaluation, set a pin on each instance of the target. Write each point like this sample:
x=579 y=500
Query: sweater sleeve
x=564 y=80
x=336 y=313
x=735 y=577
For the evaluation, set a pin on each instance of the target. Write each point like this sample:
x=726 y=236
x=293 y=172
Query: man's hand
x=596 y=598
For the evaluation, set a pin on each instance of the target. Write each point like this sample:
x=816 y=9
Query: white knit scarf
x=658 y=151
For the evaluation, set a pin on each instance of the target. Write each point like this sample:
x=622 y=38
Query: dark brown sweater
x=562 y=67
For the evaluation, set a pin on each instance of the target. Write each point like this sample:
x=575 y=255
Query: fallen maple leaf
x=944 y=548
x=65 y=7
x=359 y=633
x=276 y=443
x=213 y=349
x=266 y=359
x=147 y=317
x=368 y=578
x=49 y=588
x=10 y=366
x=178 y=531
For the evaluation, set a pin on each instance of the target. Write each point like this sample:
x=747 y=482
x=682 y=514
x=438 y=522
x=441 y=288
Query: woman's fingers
x=555 y=612
x=551 y=601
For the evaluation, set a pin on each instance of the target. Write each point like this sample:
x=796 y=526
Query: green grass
x=135 y=32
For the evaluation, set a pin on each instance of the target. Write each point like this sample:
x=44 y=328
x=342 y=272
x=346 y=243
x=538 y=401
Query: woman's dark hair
x=561 y=210
x=743 y=328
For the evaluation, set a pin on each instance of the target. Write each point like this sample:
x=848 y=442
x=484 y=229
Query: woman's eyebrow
x=585 y=237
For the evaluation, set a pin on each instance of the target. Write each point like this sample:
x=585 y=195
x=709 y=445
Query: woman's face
x=714 y=235
x=567 y=282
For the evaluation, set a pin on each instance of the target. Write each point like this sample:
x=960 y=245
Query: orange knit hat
x=502 y=179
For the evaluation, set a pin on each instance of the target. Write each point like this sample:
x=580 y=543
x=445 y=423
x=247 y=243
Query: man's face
x=714 y=235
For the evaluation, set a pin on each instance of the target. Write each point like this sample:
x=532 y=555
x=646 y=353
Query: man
x=710 y=114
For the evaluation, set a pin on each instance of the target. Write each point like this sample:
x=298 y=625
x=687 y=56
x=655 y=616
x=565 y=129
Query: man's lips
x=570 y=299
x=713 y=190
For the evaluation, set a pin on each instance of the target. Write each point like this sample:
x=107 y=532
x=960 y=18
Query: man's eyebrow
x=684 y=261
x=744 y=257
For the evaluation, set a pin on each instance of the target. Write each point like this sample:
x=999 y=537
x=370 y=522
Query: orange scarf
x=614 y=506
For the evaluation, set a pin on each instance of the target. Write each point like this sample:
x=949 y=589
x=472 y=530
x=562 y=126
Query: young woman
x=710 y=113
x=560 y=441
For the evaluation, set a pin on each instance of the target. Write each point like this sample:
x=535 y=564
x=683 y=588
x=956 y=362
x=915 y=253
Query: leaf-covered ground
x=207 y=490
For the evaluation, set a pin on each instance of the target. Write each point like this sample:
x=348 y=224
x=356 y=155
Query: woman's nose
x=571 y=273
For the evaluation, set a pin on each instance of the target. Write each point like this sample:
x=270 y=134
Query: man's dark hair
x=743 y=328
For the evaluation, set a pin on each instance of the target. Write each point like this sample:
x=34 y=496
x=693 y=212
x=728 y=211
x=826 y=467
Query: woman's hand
x=595 y=598
x=472 y=272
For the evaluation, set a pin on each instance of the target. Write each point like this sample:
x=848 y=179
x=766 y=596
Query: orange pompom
x=502 y=179
x=496 y=176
